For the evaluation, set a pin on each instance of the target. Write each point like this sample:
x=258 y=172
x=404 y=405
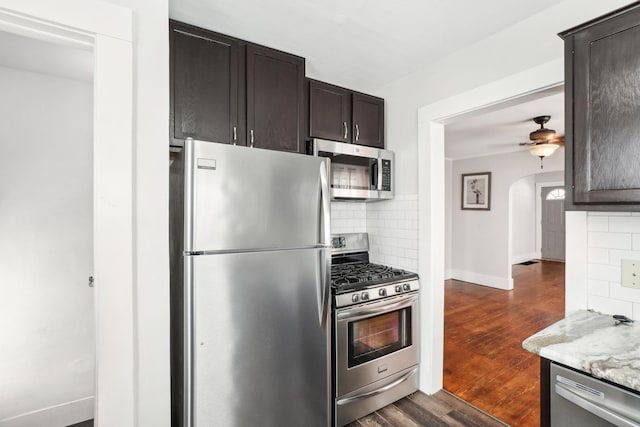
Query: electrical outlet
x=631 y=273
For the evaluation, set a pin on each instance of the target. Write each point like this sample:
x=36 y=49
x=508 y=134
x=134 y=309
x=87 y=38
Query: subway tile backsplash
x=348 y=217
x=612 y=237
x=392 y=226
x=393 y=232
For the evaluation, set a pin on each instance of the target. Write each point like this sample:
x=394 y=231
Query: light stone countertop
x=591 y=342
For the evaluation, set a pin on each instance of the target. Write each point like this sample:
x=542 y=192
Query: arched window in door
x=557 y=194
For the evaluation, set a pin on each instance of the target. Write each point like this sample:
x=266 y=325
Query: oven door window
x=377 y=336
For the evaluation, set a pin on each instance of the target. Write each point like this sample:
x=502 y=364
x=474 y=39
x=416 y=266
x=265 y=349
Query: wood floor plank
x=396 y=417
x=484 y=362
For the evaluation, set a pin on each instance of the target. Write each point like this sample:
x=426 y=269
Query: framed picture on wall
x=476 y=191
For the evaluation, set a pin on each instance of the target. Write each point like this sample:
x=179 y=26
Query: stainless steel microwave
x=357 y=172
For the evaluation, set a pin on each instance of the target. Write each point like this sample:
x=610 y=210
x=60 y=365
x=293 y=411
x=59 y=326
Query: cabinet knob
x=345 y=130
x=357 y=132
x=251 y=138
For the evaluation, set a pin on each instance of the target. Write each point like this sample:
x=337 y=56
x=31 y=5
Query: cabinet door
x=606 y=90
x=368 y=120
x=329 y=112
x=206 y=86
x=275 y=100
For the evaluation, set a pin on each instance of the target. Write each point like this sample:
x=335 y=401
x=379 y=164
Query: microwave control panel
x=386 y=175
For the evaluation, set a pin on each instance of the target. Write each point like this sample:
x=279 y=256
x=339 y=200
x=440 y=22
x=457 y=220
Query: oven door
x=375 y=340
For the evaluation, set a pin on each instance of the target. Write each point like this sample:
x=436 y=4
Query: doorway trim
x=539 y=186
x=431 y=197
x=107 y=29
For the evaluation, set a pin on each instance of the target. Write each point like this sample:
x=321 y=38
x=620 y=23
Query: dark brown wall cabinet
x=207 y=86
x=230 y=91
x=602 y=65
x=275 y=100
x=339 y=114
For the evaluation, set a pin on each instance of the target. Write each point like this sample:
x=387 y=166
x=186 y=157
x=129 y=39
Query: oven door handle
x=364 y=312
x=376 y=392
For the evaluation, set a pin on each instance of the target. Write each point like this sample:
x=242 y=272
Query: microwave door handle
x=379 y=187
x=374 y=174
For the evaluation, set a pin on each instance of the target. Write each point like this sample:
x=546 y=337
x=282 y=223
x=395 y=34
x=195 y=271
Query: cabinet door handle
x=235 y=135
x=345 y=130
x=251 y=140
x=357 y=132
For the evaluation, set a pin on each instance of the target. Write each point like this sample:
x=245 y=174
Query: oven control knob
x=365 y=296
x=398 y=289
x=355 y=297
x=382 y=292
x=406 y=287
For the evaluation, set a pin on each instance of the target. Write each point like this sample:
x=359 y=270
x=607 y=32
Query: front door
x=553 y=227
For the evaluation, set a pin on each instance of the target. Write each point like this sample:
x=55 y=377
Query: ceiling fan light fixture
x=543 y=150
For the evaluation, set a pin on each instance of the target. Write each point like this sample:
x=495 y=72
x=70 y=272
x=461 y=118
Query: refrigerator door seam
x=242 y=251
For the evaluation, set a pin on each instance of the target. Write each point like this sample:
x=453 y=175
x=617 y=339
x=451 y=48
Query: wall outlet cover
x=630 y=273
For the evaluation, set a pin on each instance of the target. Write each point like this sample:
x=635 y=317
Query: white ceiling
x=39 y=56
x=500 y=128
x=359 y=44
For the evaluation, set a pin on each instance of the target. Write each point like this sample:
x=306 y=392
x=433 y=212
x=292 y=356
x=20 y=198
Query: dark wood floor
x=88 y=423
x=439 y=410
x=484 y=362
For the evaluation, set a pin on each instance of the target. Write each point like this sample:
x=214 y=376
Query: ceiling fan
x=543 y=142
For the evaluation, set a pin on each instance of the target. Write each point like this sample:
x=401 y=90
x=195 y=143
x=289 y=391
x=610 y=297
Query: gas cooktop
x=355 y=276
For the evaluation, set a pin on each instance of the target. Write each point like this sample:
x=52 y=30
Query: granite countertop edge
x=593 y=343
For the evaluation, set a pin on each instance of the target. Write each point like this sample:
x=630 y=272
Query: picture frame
x=476 y=191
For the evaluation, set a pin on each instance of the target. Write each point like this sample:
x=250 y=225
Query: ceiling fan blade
x=558 y=139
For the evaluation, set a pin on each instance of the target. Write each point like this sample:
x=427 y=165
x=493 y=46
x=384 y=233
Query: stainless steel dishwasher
x=579 y=400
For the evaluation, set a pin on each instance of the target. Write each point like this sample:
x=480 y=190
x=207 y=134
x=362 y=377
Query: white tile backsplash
x=393 y=232
x=612 y=236
x=348 y=217
x=596 y=239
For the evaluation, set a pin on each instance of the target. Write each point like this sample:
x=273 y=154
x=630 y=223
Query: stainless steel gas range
x=375 y=335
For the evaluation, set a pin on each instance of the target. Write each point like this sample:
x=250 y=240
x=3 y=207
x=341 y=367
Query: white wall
x=517 y=58
x=522 y=202
x=448 y=209
x=520 y=47
x=46 y=250
x=151 y=213
x=480 y=239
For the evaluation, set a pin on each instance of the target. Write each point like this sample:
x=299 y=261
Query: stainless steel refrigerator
x=250 y=290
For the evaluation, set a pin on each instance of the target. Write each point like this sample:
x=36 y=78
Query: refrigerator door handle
x=325 y=253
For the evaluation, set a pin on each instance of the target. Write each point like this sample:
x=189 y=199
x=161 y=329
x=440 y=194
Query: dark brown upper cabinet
x=602 y=89
x=234 y=92
x=339 y=114
x=275 y=100
x=329 y=111
x=368 y=120
x=207 y=86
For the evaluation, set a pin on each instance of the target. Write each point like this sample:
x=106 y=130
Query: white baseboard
x=517 y=259
x=505 y=283
x=448 y=274
x=61 y=415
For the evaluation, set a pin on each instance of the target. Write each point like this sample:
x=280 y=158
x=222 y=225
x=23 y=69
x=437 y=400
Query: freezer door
x=241 y=198
x=260 y=353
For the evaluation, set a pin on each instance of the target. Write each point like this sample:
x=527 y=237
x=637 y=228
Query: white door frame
x=539 y=186
x=107 y=29
x=431 y=194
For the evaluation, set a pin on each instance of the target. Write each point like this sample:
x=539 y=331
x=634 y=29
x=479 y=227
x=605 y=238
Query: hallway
x=484 y=362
